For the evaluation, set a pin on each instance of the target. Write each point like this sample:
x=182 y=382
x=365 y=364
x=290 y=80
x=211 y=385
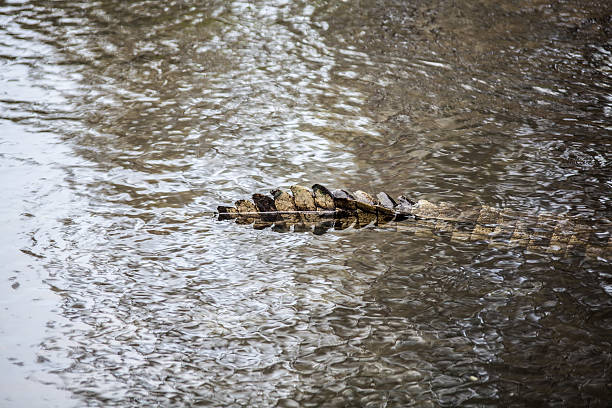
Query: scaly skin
x=324 y=210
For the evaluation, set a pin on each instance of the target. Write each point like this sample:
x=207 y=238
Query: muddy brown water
x=122 y=124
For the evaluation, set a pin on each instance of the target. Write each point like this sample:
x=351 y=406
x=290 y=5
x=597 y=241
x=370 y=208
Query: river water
x=123 y=124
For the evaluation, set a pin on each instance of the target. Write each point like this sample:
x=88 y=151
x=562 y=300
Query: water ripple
x=125 y=123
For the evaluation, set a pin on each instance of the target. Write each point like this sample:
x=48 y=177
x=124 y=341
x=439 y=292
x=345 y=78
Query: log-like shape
x=339 y=209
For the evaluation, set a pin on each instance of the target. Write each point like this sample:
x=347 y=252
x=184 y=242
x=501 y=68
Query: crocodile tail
x=320 y=209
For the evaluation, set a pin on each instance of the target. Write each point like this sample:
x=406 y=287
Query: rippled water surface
x=124 y=124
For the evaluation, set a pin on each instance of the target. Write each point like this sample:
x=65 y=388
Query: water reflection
x=132 y=120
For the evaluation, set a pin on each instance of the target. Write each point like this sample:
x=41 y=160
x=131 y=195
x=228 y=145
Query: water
x=123 y=124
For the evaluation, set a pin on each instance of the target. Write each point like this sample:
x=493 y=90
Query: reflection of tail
x=320 y=210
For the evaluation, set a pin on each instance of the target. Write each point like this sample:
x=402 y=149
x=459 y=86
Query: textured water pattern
x=123 y=123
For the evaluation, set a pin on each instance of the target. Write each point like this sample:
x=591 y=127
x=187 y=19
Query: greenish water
x=122 y=124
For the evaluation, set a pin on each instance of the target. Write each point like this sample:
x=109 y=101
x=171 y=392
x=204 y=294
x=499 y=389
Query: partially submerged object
x=319 y=210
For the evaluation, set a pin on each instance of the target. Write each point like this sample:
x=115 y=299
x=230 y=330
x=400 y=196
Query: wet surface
x=123 y=124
